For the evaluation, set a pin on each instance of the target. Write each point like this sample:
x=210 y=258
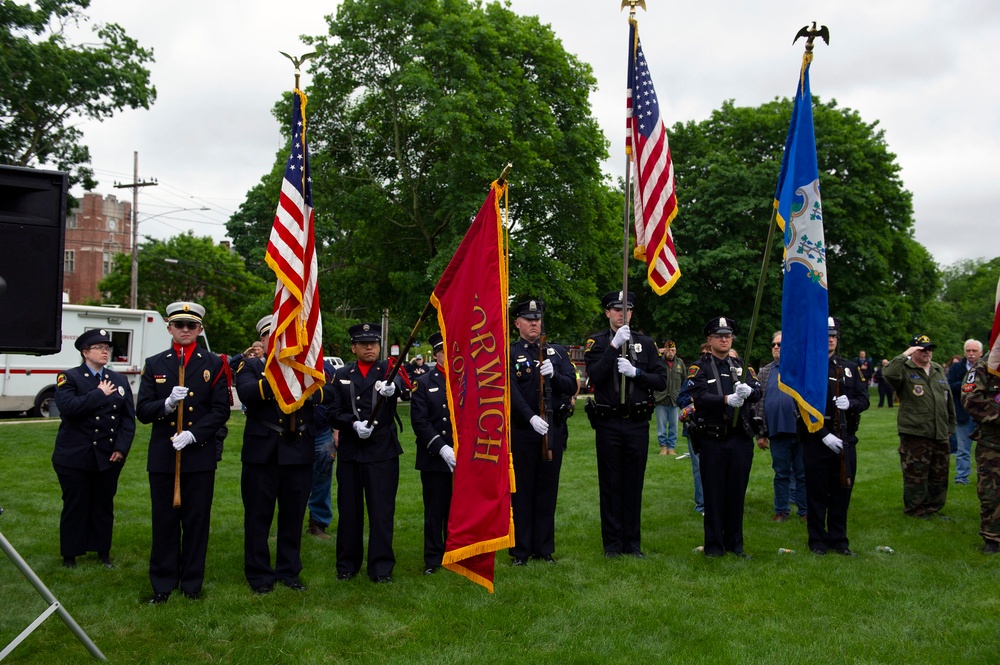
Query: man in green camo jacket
x=981 y=398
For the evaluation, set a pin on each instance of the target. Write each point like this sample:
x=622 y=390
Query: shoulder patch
x=752 y=373
x=693 y=371
x=590 y=345
x=918 y=390
x=61 y=379
x=968 y=387
x=970 y=377
x=241 y=366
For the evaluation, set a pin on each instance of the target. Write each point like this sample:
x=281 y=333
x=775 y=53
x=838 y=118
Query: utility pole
x=134 y=186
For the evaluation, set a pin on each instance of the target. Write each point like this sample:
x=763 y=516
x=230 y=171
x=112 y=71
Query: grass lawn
x=936 y=600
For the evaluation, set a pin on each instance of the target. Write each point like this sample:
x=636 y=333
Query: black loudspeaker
x=32 y=233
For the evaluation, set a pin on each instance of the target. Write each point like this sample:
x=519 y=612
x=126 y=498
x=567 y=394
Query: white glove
x=833 y=443
x=842 y=403
x=546 y=368
x=539 y=425
x=177 y=393
x=448 y=455
x=626 y=368
x=623 y=335
x=743 y=390
x=734 y=400
x=185 y=438
x=362 y=428
x=385 y=389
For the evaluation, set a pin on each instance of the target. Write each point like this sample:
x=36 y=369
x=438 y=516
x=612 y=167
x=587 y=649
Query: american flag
x=295 y=349
x=653 y=195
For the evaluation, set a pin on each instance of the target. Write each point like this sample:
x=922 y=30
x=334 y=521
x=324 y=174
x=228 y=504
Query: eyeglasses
x=722 y=335
x=99 y=347
x=181 y=325
x=775 y=345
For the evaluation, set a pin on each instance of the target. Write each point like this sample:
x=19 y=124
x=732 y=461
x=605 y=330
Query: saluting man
x=201 y=406
x=537 y=479
x=278 y=455
x=622 y=425
x=368 y=456
x=431 y=422
x=95 y=435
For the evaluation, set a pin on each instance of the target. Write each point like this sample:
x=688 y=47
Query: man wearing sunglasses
x=186 y=416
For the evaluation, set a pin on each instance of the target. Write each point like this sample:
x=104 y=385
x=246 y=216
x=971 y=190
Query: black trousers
x=534 y=502
x=263 y=486
x=88 y=513
x=180 y=535
x=371 y=484
x=725 y=472
x=622 y=451
x=828 y=501
x=437 y=486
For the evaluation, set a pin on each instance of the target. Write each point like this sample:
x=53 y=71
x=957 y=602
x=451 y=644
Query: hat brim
x=366 y=338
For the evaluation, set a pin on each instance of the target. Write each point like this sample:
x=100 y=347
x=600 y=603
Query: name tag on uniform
x=346 y=382
x=711 y=381
x=433 y=390
x=160 y=378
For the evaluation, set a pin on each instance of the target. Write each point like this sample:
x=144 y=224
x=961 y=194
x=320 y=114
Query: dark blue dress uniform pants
x=88 y=513
x=437 y=488
x=180 y=535
x=371 y=484
x=263 y=486
x=828 y=501
x=622 y=451
x=725 y=472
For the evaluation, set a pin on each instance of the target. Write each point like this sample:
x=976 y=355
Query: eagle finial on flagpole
x=297 y=62
x=812 y=33
x=632 y=4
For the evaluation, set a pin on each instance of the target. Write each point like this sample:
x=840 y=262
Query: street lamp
x=133 y=297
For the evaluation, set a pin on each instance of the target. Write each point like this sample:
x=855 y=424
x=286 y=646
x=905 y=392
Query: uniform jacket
x=925 y=403
x=676 y=376
x=272 y=436
x=205 y=409
x=981 y=399
x=431 y=420
x=524 y=392
x=602 y=368
x=709 y=402
x=844 y=424
x=94 y=425
x=352 y=398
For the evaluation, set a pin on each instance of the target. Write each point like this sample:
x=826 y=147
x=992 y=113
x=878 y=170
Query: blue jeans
x=963 y=463
x=666 y=426
x=320 y=501
x=786 y=460
x=699 y=495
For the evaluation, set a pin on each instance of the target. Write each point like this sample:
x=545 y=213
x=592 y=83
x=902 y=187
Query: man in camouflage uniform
x=925 y=420
x=981 y=399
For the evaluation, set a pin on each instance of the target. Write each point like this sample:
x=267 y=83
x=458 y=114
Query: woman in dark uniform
x=98 y=423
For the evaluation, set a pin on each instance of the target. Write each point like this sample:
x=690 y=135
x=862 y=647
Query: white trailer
x=28 y=383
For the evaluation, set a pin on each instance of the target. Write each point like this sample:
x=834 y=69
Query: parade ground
x=932 y=600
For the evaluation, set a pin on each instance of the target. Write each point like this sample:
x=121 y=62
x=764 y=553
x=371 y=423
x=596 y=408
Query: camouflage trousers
x=925 y=465
x=988 y=487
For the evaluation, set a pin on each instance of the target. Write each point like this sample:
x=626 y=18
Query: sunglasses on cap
x=181 y=325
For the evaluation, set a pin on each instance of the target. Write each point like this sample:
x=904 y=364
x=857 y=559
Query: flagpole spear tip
x=632 y=4
x=297 y=63
x=812 y=33
x=503 y=174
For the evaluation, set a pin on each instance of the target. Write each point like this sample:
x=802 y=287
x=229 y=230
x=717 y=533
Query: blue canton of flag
x=804 y=303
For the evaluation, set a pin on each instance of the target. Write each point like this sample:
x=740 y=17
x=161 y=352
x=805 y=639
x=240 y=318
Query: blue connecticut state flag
x=804 y=304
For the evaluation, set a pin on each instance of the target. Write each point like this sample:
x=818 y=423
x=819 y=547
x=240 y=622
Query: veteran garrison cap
x=924 y=342
x=91 y=337
x=613 y=300
x=185 y=311
x=365 y=332
x=720 y=325
x=264 y=325
x=529 y=309
x=436 y=341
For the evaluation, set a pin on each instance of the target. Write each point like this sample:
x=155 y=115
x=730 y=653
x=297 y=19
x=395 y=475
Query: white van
x=28 y=383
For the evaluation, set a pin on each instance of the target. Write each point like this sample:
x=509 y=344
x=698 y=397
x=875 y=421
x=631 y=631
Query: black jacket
x=431 y=420
x=352 y=398
x=94 y=425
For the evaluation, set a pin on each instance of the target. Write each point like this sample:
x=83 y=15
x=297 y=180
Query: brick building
x=97 y=230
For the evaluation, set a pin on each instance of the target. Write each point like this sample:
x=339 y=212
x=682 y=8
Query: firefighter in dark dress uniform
x=537 y=478
x=719 y=387
x=95 y=435
x=830 y=454
x=367 y=458
x=622 y=424
x=201 y=405
x=431 y=421
x=278 y=455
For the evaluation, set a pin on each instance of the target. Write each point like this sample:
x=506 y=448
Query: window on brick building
x=71 y=221
x=69 y=260
x=107 y=264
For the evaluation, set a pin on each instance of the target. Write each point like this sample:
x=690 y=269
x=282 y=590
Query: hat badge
x=104 y=333
x=830 y=323
x=187 y=308
x=365 y=327
x=722 y=322
x=532 y=306
x=621 y=296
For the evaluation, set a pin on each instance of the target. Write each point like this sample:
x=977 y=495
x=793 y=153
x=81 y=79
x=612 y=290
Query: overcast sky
x=924 y=70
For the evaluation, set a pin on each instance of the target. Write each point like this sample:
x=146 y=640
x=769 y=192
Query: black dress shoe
x=294 y=583
x=612 y=555
x=263 y=589
x=846 y=552
x=518 y=561
x=105 y=560
x=548 y=558
x=818 y=551
x=430 y=570
x=69 y=562
x=638 y=554
x=742 y=555
x=192 y=595
x=159 y=598
x=991 y=547
x=343 y=577
x=383 y=579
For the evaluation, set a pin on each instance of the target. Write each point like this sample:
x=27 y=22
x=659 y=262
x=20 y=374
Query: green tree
x=414 y=107
x=186 y=267
x=727 y=169
x=48 y=84
x=968 y=299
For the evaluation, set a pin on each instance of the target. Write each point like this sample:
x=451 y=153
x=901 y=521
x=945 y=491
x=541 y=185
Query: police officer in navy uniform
x=719 y=387
x=95 y=435
x=537 y=479
x=622 y=424
x=201 y=405
x=431 y=422
x=830 y=454
x=278 y=455
x=368 y=456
